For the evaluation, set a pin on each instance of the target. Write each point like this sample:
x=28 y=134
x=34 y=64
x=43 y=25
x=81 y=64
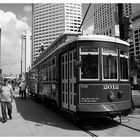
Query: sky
x=15 y=18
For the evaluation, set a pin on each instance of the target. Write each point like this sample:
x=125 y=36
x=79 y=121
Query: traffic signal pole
x=120 y=17
x=125 y=25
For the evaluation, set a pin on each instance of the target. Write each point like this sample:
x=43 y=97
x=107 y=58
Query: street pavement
x=136 y=100
x=33 y=119
x=136 y=97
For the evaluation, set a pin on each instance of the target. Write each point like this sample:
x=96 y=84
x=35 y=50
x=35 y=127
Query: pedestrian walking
x=23 y=90
x=20 y=90
x=6 y=98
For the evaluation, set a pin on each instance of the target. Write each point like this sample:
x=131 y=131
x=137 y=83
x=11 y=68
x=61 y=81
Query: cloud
x=27 y=8
x=12 y=28
x=21 y=26
x=89 y=30
x=25 y=19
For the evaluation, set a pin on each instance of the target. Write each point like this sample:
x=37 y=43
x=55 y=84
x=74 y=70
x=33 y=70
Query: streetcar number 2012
x=110 y=86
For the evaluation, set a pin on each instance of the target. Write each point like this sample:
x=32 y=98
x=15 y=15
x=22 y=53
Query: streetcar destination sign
x=109 y=51
x=89 y=49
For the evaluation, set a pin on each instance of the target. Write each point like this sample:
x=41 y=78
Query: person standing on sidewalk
x=6 y=98
x=23 y=90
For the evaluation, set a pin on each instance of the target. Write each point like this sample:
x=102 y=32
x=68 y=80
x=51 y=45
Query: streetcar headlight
x=111 y=96
x=120 y=93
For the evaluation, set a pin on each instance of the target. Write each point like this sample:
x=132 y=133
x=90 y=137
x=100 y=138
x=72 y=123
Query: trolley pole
x=84 y=18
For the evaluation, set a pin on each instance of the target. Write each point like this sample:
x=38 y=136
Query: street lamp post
x=21 y=52
x=25 y=53
x=23 y=46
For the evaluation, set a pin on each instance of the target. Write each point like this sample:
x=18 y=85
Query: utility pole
x=120 y=17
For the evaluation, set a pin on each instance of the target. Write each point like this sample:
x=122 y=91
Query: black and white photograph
x=69 y=69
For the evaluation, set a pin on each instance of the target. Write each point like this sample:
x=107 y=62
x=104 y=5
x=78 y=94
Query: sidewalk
x=15 y=127
x=33 y=119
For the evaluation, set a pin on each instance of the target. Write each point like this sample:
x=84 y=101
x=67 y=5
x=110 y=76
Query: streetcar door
x=72 y=81
x=64 y=82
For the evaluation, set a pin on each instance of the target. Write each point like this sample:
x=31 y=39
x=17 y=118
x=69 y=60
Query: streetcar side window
x=110 y=67
x=124 y=65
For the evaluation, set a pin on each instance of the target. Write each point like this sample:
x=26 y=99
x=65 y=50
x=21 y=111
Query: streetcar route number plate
x=110 y=86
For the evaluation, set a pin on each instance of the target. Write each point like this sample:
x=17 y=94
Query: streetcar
x=85 y=76
x=32 y=82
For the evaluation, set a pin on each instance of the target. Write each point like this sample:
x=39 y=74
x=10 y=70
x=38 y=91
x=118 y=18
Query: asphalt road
x=136 y=98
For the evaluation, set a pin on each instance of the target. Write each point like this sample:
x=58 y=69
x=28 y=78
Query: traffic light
x=127 y=28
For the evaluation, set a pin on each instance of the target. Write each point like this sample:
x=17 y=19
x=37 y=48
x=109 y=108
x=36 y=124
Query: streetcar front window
x=110 y=67
x=89 y=69
x=89 y=58
x=110 y=64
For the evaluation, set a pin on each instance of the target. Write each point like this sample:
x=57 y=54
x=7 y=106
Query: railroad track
x=86 y=130
x=109 y=123
x=126 y=119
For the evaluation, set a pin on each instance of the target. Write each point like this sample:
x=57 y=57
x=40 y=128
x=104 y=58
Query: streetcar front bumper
x=104 y=109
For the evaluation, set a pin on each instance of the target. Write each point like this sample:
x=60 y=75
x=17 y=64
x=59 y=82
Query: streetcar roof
x=102 y=38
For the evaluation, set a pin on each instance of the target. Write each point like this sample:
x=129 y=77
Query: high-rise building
x=52 y=19
x=106 y=17
x=135 y=18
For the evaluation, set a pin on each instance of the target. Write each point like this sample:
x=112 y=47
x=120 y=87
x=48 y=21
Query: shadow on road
x=41 y=115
